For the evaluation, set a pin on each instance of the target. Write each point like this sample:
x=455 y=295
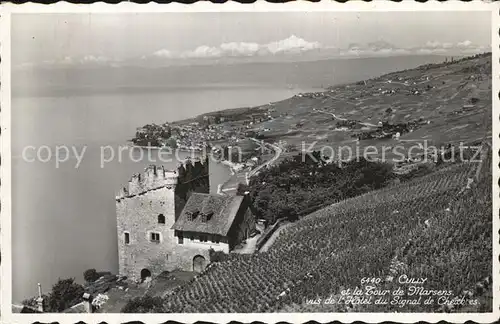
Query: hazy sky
x=46 y=37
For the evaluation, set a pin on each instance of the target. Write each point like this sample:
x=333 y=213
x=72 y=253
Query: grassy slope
x=337 y=246
x=443 y=91
x=360 y=237
x=452 y=86
x=454 y=252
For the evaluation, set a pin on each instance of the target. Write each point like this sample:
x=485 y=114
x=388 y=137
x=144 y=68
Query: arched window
x=145 y=273
x=161 y=219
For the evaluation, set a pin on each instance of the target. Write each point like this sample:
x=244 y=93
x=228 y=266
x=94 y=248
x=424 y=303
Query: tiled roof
x=224 y=209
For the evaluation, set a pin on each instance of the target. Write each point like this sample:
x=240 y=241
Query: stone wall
x=156 y=191
x=193 y=176
x=196 y=243
x=152 y=178
x=138 y=216
x=184 y=257
x=243 y=225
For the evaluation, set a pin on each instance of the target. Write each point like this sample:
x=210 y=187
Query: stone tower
x=145 y=212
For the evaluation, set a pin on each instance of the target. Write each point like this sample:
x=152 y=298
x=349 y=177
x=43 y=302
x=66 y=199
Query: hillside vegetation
x=297 y=186
x=435 y=224
x=450 y=101
x=432 y=227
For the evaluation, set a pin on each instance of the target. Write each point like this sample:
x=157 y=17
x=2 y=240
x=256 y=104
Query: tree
x=241 y=189
x=278 y=206
x=304 y=183
x=65 y=293
x=90 y=275
x=171 y=142
x=146 y=304
x=262 y=203
x=166 y=132
x=32 y=302
x=217 y=256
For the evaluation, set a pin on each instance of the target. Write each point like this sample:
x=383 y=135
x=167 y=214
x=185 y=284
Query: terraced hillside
x=441 y=103
x=433 y=227
x=437 y=227
x=454 y=97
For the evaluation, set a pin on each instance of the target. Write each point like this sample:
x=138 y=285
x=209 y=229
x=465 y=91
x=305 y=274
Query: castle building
x=221 y=222
x=160 y=229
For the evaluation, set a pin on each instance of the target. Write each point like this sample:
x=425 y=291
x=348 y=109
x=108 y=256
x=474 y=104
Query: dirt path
x=273 y=237
x=249 y=247
x=343 y=119
x=231 y=185
x=277 y=153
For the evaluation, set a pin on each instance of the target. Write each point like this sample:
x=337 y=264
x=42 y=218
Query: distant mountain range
x=301 y=75
x=291 y=49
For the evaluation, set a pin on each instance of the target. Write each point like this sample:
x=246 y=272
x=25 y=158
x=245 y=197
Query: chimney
x=87 y=302
x=39 y=300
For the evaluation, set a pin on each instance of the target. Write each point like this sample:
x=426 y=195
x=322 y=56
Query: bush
x=31 y=302
x=146 y=304
x=217 y=256
x=65 y=293
x=294 y=186
x=242 y=188
x=419 y=171
x=90 y=275
x=104 y=274
x=371 y=235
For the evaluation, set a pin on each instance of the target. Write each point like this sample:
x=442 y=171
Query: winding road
x=344 y=119
x=277 y=154
x=231 y=185
x=408 y=84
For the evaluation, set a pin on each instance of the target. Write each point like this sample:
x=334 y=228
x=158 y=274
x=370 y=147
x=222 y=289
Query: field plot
x=434 y=227
x=455 y=99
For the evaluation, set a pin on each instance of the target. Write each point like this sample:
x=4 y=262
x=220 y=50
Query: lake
x=64 y=217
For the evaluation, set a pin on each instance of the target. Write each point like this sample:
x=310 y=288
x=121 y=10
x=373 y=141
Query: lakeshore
x=364 y=110
x=80 y=202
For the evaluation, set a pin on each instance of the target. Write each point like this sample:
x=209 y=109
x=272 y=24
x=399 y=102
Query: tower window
x=161 y=219
x=155 y=237
x=191 y=215
x=126 y=237
x=205 y=217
